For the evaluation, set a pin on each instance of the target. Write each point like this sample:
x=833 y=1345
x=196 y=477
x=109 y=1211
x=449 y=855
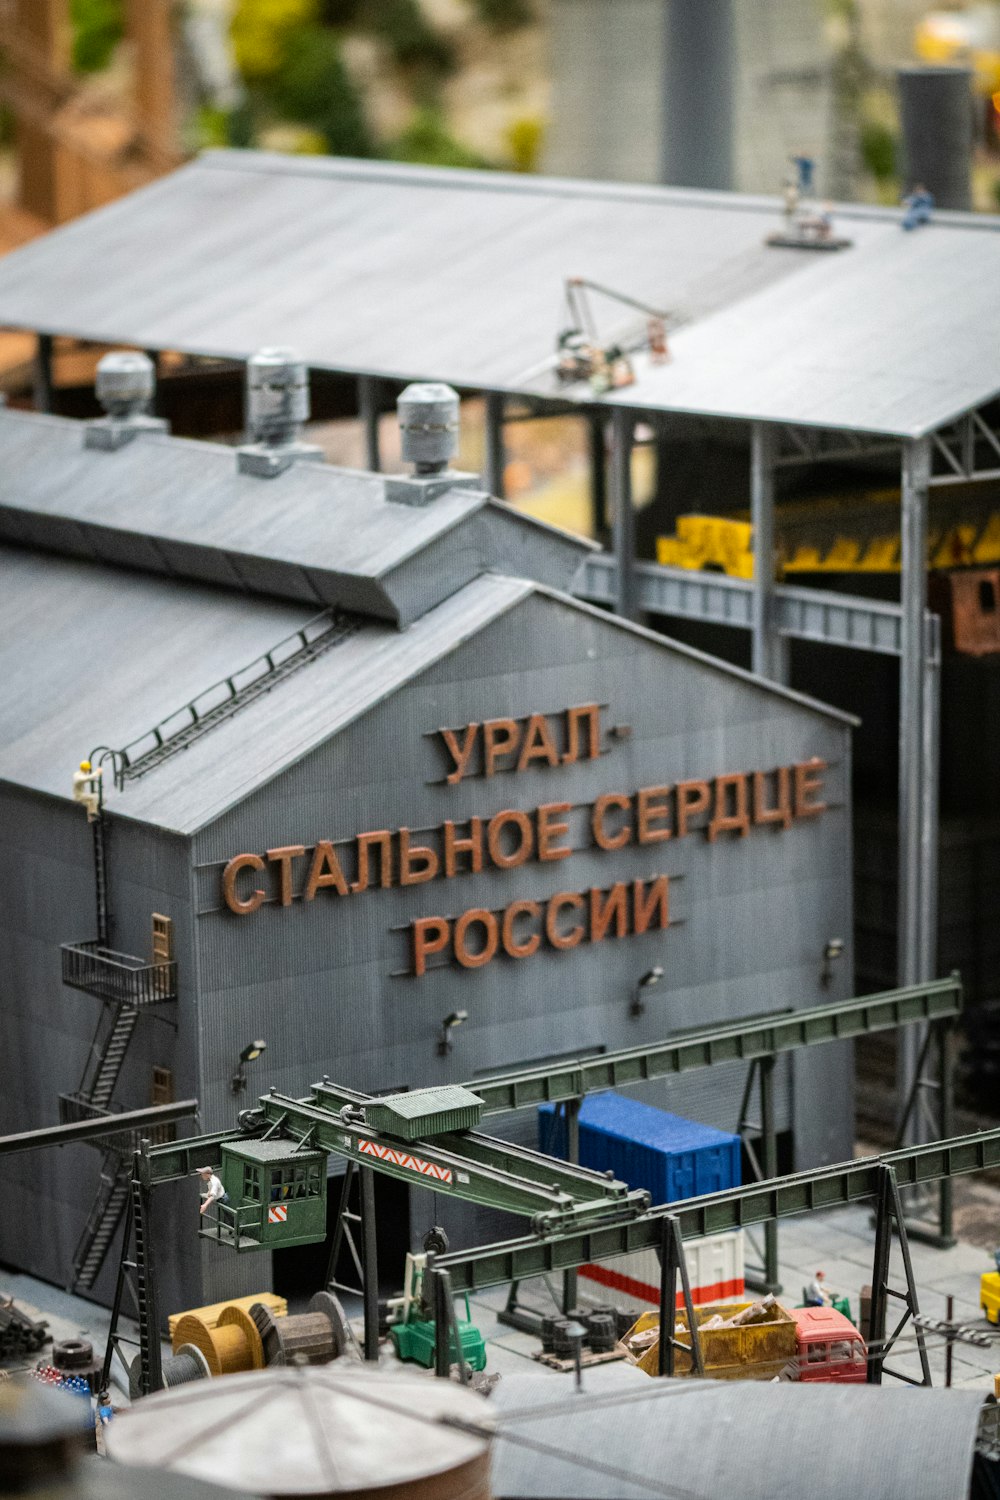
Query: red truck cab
x=829 y=1346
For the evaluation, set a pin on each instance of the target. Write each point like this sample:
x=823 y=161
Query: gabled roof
x=92 y=655
x=316 y=535
x=414 y=271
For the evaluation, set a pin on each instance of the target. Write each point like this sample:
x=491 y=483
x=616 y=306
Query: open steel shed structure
x=886 y=349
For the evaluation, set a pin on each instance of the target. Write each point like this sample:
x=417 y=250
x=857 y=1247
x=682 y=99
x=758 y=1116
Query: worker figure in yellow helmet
x=87 y=789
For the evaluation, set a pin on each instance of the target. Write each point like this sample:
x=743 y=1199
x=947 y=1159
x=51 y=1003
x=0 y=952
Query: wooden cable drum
x=318 y=1336
x=229 y=1348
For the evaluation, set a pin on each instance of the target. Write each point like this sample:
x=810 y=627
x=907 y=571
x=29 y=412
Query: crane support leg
x=369 y=1262
x=889 y=1215
x=673 y=1262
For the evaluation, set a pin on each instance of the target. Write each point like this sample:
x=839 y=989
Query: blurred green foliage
x=409 y=35
x=504 y=15
x=97 y=28
x=314 y=88
x=427 y=140
x=260 y=30
x=879 y=150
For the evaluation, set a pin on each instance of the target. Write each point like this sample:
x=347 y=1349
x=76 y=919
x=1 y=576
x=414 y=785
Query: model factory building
x=366 y=766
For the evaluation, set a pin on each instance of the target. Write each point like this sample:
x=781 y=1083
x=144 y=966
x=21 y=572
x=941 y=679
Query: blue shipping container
x=671 y=1157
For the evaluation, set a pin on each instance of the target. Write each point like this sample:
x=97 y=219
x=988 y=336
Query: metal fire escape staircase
x=126 y=985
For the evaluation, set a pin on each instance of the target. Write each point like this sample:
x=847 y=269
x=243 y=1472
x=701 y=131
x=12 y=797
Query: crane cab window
x=251 y=1183
x=291 y=1181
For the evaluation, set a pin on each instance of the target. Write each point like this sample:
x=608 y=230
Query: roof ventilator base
x=421 y=489
x=125 y=383
x=277 y=404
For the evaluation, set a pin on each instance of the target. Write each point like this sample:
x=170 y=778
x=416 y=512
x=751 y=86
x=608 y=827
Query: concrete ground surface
x=841 y=1243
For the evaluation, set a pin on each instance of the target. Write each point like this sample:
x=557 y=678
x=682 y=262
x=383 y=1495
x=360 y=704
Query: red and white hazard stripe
x=404 y=1159
x=277 y=1214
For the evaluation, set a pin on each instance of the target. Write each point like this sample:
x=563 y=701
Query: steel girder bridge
x=578 y=1216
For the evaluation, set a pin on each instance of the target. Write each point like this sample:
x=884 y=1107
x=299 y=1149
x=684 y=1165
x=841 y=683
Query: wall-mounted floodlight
x=445 y=1043
x=833 y=950
x=638 y=1006
x=250 y=1053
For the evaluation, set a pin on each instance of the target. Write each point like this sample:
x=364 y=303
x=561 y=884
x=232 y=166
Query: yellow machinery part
x=231 y=1347
x=210 y=1315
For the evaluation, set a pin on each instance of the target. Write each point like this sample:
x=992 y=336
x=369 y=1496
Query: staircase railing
x=118 y=977
x=109 y=1204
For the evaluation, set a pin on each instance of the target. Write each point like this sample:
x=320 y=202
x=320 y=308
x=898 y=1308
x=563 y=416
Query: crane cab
x=277 y=1196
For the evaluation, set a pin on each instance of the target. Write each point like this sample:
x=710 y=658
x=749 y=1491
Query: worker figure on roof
x=213 y=1191
x=919 y=205
x=87 y=789
x=816 y=1292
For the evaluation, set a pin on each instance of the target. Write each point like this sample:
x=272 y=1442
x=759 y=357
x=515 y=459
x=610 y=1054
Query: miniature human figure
x=919 y=206
x=87 y=788
x=214 y=1191
x=816 y=1293
x=804 y=166
x=996 y=1259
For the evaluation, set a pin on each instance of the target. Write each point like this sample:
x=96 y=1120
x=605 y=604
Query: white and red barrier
x=715 y=1268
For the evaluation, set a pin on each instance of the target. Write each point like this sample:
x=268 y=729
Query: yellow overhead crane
x=843 y=535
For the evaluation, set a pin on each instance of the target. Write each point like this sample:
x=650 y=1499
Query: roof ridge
x=539 y=185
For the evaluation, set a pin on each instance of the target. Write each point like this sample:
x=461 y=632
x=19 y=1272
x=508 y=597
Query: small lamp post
x=250 y=1053
x=445 y=1043
x=833 y=950
x=638 y=1005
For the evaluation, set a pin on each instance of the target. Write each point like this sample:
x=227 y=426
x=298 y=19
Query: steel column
x=769 y=1146
x=571 y=1110
x=769 y=648
x=153 y=355
x=596 y=428
x=442 y=1363
x=912 y=945
x=368 y=412
x=494 y=454
x=623 y=513
x=43 y=387
x=931 y=767
x=369 y=1261
x=946 y=1094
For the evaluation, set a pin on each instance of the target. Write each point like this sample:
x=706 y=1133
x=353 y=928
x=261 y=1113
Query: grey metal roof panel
x=382 y=268
x=91 y=655
x=245 y=752
x=95 y=656
x=758 y=1440
x=315 y=534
